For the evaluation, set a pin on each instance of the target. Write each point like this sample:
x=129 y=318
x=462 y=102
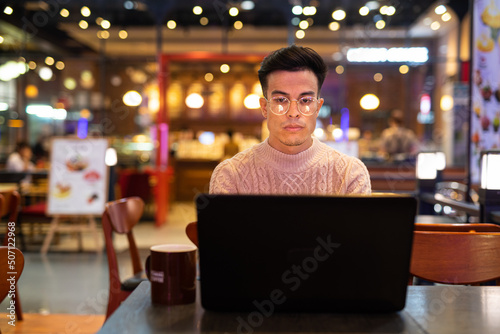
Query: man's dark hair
x=293 y=58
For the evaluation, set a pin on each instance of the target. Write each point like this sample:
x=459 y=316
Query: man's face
x=290 y=133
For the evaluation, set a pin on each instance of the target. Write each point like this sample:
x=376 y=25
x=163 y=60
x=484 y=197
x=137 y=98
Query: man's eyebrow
x=274 y=92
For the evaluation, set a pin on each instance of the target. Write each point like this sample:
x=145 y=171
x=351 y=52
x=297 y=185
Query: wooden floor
x=34 y=323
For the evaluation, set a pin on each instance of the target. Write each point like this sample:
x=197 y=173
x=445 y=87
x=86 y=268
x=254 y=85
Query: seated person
x=290 y=160
x=398 y=142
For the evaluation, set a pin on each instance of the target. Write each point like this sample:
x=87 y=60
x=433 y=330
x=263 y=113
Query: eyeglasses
x=279 y=105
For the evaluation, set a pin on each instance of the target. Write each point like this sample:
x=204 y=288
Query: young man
x=290 y=160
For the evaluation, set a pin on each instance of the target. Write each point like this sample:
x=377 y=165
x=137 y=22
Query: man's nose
x=293 y=111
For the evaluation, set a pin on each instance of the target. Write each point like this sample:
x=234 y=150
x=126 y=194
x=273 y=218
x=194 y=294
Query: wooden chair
x=10 y=209
x=11 y=256
x=467 y=227
x=192 y=232
x=120 y=217
x=456 y=257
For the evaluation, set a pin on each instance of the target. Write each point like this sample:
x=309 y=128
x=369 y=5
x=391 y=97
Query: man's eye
x=306 y=100
x=280 y=99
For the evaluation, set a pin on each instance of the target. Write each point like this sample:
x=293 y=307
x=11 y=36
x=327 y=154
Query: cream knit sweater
x=319 y=170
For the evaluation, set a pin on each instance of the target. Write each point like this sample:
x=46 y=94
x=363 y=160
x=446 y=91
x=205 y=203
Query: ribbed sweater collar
x=290 y=163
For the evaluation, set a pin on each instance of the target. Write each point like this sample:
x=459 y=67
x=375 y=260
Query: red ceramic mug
x=171 y=269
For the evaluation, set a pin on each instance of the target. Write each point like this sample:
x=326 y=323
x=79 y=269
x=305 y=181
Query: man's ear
x=320 y=104
x=263 y=106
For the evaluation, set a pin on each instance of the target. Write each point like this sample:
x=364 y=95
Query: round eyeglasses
x=279 y=105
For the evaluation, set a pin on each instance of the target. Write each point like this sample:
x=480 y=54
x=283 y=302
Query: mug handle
x=146 y=267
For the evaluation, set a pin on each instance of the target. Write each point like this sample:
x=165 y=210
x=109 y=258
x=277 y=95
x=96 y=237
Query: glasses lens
x=280 y=105
x=307 y=105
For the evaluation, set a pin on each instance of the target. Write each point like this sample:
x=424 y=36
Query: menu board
x=485 y=86
x=78 y=179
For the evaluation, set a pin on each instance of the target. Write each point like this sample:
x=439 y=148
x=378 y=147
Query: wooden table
x=429 y=309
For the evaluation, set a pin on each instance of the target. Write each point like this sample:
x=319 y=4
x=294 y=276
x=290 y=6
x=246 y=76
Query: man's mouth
x=293 y=127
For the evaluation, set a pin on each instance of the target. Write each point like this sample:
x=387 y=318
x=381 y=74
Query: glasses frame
x=290 y=103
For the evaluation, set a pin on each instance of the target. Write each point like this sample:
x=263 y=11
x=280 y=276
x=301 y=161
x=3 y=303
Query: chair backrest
x=456 y=257
x=9 y=256
x=9 y=207
x=468 y=227
x=120 y=217
x=192 y=232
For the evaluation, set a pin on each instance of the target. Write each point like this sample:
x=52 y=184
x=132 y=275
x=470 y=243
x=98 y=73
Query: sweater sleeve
x=359 y=178
x=223 y=179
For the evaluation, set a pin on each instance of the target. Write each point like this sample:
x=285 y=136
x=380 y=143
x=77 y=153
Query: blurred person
x=20 y=159
x=398 y=142
x=231 y=148
x=290 y=160
x=367 y=145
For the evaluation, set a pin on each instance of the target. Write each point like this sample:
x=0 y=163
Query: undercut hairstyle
x=292 y=58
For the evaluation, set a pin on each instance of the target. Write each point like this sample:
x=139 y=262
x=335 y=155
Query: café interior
x=168 y=84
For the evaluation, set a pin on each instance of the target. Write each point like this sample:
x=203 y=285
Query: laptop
x=304 y=253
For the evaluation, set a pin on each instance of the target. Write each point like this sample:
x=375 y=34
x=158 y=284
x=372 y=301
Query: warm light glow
x=446 y=102
x=85 y=113
x=252 y=101
x=446 y=17
x=339 y=15
x=441 y=9
x=98 y=20
x=31 y=91
x=303 y=24
x=233 y=11
x=197 y=10
x=396 y=54
x=123 y=34
x=369 y=102
x=300 y=34
x=49 y=61
x=171 y=24
x=194 y=101
x=203 y=21
x=8 y=10
x=490 y=165
x=224 y=68
x=363 y=11
x=45 y=73
x=319 y=133
x=105 y=24
x=132 y=98
x=440 y=161
x=103 y=34
x=403 y=69
x=378 y=77
x=206 y=138
x=64 y=12
x=339 y=69
x=31 y=65
x=309 y=10
x=209 y=77
x=69 y=83
x=337 y=134
x=2 y=39
x=382 y=10
x=60 y=65
x=380 y=24
x=435 y=25
x=334 y=26
x=85 y=11
x=83 y=24
x=391 y=10
x=238 y=25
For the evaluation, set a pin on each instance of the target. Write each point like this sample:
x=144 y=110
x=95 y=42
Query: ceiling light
x=303 y=24
x=209 y=77
x=197 y=10
x=194 y=101
x=446 y=17
x=334 y=26
x=224 y=68
x=8 y=10
x=247 y=5
x=380 y=24
x=45 y=73
x=123 y=34
x=49 y=61
x=369 y=102
x=339 y=15
x=85 y=11
x=203 y=21
x=105 y=24
x=64 y=12
x=378 y=77
x=238 y=25
x=297 y=10
x=132 y=98
x=435 y=25
x=31 y=65
x=309 y=10
x=403 y=69
x=252 y=101
x=441 y=9
x=233 y=11
x=1 y=39
x=300 y=34
x=339 y=69
x=363 y=11
x=60 y=65
x=391 y=10
x=83 y=24
x=69 y=83
x=171 y=24
x=382 y=10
